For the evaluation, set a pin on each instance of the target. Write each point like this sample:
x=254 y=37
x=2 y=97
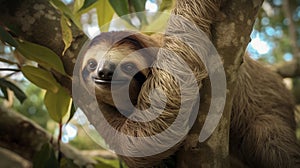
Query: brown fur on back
x=262 y=123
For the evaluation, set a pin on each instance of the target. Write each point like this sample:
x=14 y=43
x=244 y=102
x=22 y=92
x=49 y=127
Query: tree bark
x=10 y=159
x=293 y=36
x=287 y=69
x=38 y=21
x=231 y=37
x=230 y=33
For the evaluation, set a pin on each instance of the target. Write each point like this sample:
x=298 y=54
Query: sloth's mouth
x=108 y=81
x=139 y=77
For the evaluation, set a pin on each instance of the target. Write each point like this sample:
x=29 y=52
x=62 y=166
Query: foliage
x=279 y=24
x=273 y=27
x=49 y=61
x=33 y=107
x=45 y=158
x=40 y=65
x=5 y=85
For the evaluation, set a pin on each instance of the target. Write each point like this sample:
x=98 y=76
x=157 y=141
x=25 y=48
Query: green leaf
x=41 y=55
x=38 y=53
x=166 y=5
x=120 y=6
x=57 y=104
x=72 y=112
x=79 y=12
x=87 y=4
x=41 y=78
x=77 y=5
x=66 y=32
x=62 y=7
x=139 y=6
x=6 y=37
x=45 y=158
x=120 y=164
x=105 y=14
x=17 y=91
x=159 y=24
x=66 y=11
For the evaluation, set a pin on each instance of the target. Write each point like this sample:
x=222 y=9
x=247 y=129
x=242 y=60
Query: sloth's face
x=106 y=69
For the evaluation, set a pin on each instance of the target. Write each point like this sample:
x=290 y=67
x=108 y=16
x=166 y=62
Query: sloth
x=262 y=129
x=103 y=61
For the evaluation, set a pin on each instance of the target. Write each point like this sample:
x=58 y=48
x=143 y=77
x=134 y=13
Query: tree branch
x=289 y=69
x=10 y=159
x=25 y=138
x=292 y=29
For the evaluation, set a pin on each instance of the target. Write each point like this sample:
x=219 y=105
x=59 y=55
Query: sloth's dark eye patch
x=140 y=77
x=132 y=41
x=91 y=65
x=128 y=68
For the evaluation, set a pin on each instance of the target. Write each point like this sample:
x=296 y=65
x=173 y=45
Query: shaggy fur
x=262 y=126
x=201 y=12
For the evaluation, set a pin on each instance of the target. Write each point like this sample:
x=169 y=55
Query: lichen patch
x=39 y=7
x=229 y=32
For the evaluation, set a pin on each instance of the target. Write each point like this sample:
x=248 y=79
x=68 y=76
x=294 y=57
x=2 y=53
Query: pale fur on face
x=119 y=53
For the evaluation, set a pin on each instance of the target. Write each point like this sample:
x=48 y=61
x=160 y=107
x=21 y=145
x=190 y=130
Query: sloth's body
x=262 y=124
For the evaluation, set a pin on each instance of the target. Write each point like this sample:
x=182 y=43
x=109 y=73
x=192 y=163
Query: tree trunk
x=225 y=32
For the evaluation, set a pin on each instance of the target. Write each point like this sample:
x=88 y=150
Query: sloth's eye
x=91 y=65
x=128 y=67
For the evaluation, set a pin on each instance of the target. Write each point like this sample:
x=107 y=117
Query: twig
x=10 y=69
x=9 y=75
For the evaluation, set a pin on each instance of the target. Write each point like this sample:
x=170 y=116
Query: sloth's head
x=118 y=59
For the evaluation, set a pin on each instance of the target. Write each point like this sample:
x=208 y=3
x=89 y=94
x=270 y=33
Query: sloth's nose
x=106 y=71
